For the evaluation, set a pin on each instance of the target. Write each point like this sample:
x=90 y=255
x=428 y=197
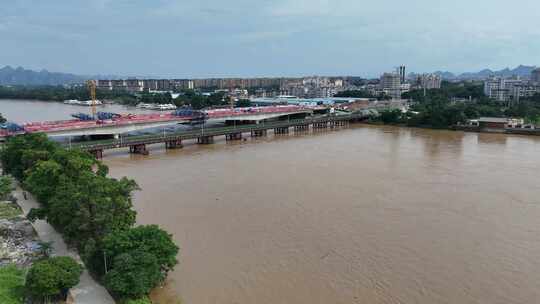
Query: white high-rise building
x=429 y=81
x=502 y=89
x=391 y=85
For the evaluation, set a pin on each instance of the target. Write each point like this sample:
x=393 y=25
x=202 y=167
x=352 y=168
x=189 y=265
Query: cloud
x=191 y=37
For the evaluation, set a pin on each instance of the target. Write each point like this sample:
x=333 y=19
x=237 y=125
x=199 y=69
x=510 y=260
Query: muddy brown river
x=360 y=215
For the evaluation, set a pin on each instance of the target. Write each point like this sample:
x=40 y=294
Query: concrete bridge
x=137 y=144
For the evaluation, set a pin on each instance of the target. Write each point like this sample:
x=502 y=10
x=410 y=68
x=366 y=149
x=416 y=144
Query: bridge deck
x=203 y=132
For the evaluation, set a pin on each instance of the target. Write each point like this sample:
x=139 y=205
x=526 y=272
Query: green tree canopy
x=5 y=187
x=134 y=275
x=52 y=276
x=150 y=239
x=21 y=152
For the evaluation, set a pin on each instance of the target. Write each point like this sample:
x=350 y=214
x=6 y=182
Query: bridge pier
x=205 y=140
x=284 y=130
x=138 y=149
x=301 y=128
x=173 y=144
x=233 y=136
x=258 y=133
x=98 y=154
x=320 y=125
x=340 y=123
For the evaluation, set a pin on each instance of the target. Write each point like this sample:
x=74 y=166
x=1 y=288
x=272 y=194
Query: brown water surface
x=361 y=215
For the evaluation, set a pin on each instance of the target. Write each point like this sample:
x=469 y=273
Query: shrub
x=11 y=285
x=52 y=277
x=134 y=274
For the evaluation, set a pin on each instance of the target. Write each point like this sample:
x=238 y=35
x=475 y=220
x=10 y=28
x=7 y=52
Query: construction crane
x=91 y=84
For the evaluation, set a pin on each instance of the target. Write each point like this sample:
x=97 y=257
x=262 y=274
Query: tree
x=134 y=275
x=5 y=187
x=355 y=94
x=2 y=119
x=391 y=116
x=21 y=152
x=52 y=277
x=243 y=103
x=59 y=93
x=150 y=239
x=143 y=300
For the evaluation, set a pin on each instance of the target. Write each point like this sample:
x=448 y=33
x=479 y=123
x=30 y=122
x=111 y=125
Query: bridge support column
x=205 y=140
x=301 y=128
x=138 y=149
x=98 y=154
x=284 y=130
x=233 y=136
x=174 y=144
x=258 y=133
x=320 y=125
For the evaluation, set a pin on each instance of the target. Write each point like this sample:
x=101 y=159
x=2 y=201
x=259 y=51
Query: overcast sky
x=204 y=38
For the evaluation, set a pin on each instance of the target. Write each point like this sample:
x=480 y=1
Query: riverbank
x=88 y=291
x=95 y=214
x=475 y=129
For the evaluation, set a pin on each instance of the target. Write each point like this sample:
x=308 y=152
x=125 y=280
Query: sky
x=253 y=38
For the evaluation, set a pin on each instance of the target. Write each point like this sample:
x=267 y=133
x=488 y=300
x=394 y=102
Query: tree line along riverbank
x=60 y=93
x=456 y=103
x=28 y=274
x=94 y=213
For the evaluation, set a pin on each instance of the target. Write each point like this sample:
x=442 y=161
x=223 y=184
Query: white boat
x=165 y=107
x=160 y=107
x=82 y=103
x=144 y=106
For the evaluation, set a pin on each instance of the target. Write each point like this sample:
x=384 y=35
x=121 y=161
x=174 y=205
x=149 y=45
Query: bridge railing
x=124 y=141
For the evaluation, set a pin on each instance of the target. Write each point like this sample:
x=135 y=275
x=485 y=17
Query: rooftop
x=493 y=119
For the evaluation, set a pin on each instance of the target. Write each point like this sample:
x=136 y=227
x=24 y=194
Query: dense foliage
x=52 y=277
x=20 y=153
x=158 y=98
x=5 y=187
x=449 y=90
x=134 y=274
x=200 y=101
x=361 y=94
x=456 y=103
x=94 y=212
x=61 y=93
x=149 y=239
x=11 y=285
x=142 y=300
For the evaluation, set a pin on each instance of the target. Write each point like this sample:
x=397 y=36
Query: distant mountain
x=21 y=76
x=521 y=71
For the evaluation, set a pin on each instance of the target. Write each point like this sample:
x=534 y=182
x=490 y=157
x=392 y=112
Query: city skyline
x=200 y=39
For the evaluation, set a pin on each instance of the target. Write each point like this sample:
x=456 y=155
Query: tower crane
x=91 y=84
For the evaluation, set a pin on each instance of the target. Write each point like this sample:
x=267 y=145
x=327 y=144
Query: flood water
x=24 y=111
x=360 y=215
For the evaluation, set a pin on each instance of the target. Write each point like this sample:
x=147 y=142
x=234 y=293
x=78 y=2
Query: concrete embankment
x=520 y=131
